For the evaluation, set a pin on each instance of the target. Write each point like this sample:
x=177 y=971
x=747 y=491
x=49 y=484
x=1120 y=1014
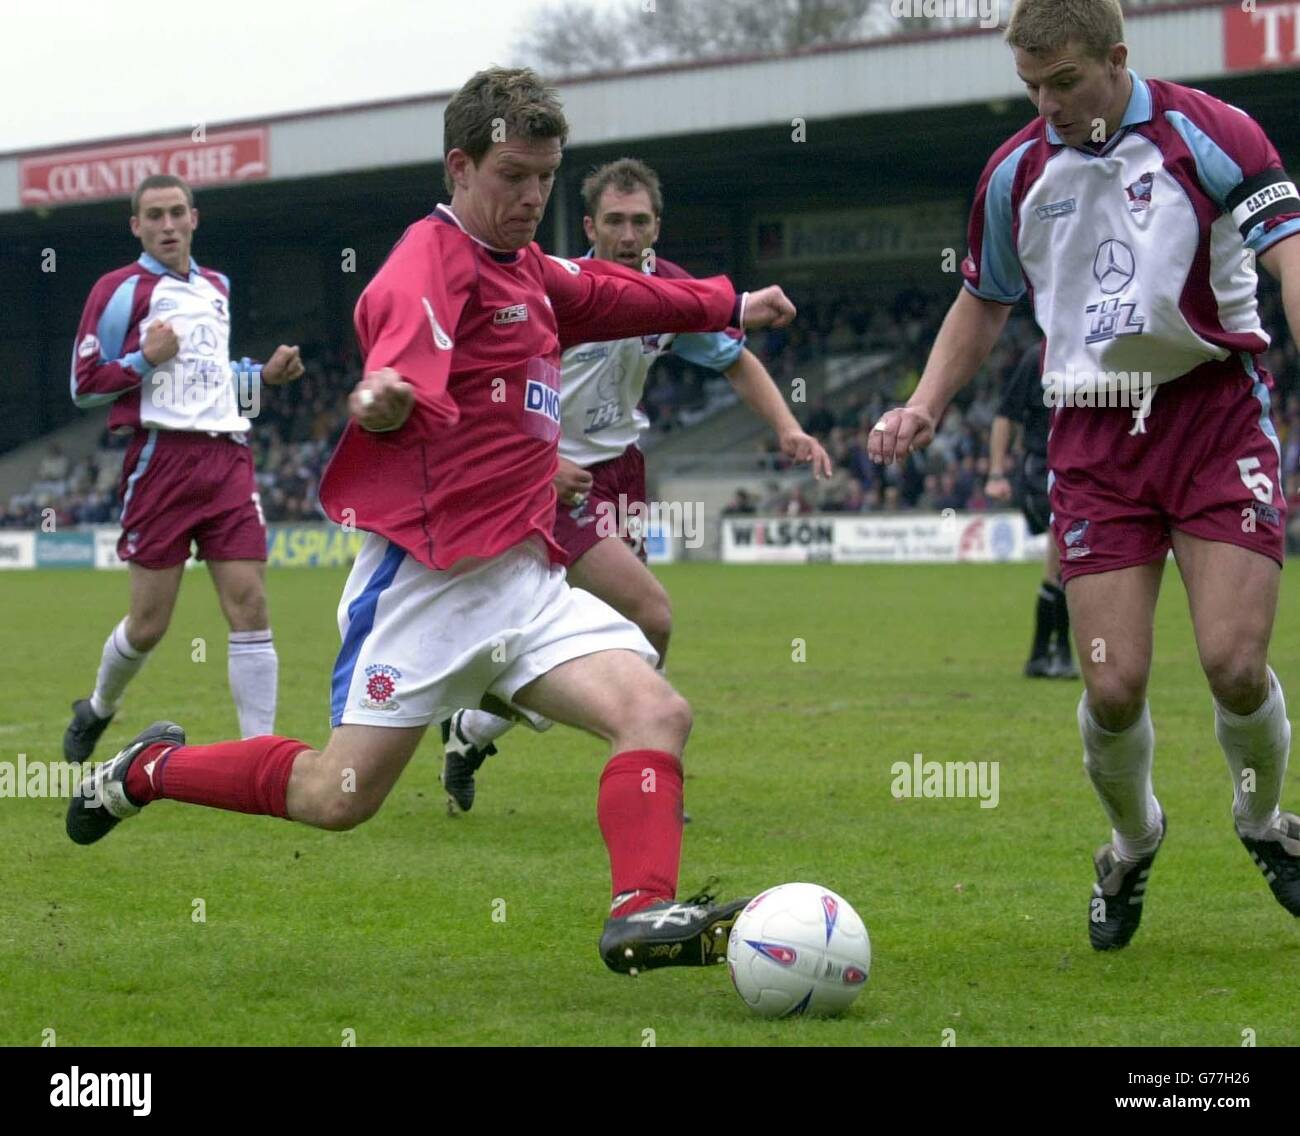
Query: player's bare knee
x=670 y=714
x=655 y=618
x=248 y=610
x=1115 y=699
x=146 y=632
x=1238 y=680
x=342 y=811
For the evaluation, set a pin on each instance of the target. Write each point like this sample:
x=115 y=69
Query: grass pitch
x=396 y=932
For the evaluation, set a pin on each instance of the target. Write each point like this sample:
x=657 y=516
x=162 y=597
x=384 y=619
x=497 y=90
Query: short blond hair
x=1044 y=26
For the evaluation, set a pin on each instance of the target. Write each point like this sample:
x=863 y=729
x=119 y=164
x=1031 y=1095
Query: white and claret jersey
x=197 y=388
x=1138 y=257
x=601 y=383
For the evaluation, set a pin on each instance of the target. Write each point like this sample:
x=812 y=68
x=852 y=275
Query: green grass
x=977 y=916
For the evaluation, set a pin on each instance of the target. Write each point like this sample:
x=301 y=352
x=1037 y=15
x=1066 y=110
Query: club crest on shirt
x=381 y=685
x=1139 y=193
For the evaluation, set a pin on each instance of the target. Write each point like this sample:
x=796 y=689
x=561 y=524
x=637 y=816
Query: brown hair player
x=601 y=476
x=458 y=594
x=154 y=343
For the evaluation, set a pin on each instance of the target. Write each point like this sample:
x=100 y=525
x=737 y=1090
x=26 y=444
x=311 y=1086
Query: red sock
x=640 y=814
x=251 y=776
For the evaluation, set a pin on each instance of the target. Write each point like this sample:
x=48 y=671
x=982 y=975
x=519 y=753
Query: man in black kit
x=1024 y=405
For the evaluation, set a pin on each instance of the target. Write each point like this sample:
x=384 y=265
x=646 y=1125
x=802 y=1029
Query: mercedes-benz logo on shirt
x=203 y=339
x=610 y=381
x=1113 y=266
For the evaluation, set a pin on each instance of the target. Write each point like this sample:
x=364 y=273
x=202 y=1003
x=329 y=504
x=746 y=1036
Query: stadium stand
x=299 y=424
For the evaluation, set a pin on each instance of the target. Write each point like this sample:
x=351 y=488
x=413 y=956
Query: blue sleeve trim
x=989 y=299
x=999 y=261
x=713 y=349
x=138 y=363
x=115 y=319
x=1262 y=241
x=1219 y=174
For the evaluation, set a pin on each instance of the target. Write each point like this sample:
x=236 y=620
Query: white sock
x=253 y=669
x=481 y=728
x=1259 y=742
x=1119 y=765
x=118 y=665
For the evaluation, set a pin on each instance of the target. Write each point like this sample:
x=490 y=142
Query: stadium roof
x=890 y=76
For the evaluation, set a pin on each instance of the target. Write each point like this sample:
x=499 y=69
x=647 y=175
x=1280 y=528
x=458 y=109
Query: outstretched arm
x=968 y=334
x=758 y=390
x=596 y=300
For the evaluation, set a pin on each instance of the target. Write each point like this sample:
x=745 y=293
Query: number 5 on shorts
x=1258 y=483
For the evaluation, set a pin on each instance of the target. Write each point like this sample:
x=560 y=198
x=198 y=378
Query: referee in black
x=1023 y=405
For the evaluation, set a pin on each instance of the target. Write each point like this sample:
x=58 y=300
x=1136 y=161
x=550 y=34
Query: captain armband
x=1262 y=197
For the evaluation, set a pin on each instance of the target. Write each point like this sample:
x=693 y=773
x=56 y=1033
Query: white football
x=798 y=949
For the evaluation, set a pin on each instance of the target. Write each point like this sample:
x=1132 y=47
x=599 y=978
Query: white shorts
x=419 y=644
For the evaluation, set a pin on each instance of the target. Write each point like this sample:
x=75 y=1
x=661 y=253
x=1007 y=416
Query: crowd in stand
x=299 y=424
x=293 y=434
x=64 y=493
x=951 y=473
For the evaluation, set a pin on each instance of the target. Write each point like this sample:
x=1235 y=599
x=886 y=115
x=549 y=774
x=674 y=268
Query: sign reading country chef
x=206 y=158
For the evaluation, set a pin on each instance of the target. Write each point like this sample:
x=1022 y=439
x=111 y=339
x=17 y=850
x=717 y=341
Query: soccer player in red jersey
x=601 y=498
x=458 y=596
x=1134 y=212
x=154 y=342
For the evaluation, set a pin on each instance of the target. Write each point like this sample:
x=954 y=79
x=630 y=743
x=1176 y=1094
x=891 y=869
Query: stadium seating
x=866 y=361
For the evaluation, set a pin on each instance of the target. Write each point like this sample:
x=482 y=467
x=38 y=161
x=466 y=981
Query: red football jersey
x=477 y=333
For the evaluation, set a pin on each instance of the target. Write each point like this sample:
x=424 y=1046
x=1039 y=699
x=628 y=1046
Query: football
x=798 y=949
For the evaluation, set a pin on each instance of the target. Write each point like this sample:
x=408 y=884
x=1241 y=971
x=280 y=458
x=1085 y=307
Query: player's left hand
x=768 y=307
x=804 y=449
x=284 y=366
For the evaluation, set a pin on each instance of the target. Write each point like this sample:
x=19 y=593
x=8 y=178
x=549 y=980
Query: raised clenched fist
x=160 y=343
